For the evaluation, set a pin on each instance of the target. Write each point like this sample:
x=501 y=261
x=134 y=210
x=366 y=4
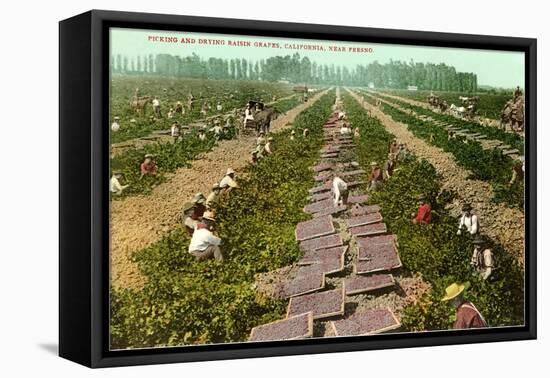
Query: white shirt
x=338 y=186
x=202 y=239
x=227 y=182
x=345 y=130
x=216 y=129
x=156 y=103
x=115 y=185
x=470 y=223
x=115 y=126
x=248 y=114
x=202 y=136
x=175 y=131
x=219 y=107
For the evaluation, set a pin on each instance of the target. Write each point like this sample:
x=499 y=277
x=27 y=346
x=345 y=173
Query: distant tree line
x=297 y=69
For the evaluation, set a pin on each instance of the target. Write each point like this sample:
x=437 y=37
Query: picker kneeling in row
x=204 y=244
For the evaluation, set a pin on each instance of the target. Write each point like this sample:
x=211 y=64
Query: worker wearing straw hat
x=482 y=258
x=228 y=182
x=468 y=221
x=424 y=212
x=213 y=196
x=376 y=177
x=467 y=315
x=204 y=244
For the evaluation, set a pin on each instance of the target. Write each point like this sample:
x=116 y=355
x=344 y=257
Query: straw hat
x=373 y=164
x=198 y=198
x=466 y=207
x=453 y=291
x=216 y=186
x=188 y=206
x=229 y=171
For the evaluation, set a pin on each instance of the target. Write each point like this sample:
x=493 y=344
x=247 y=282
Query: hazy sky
x=494 y=68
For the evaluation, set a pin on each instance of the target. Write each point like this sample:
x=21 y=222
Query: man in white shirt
x=468 y=221
x=202 y=134
x=339 y=191
x=345 y=129
x=156 y=107
x=268 y=148
x=115 y=186
x=482 y=259
x=175 y=131
x=204 y=244
x=228 y=182
x=115 y=126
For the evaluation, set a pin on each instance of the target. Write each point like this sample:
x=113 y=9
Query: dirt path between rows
x=483 y=121
x=138 y=221
x=499 y=222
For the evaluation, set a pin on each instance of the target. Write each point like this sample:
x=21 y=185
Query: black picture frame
x=84 y=194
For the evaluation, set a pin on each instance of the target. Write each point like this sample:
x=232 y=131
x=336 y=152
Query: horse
x=139 y=104
x=264 y=117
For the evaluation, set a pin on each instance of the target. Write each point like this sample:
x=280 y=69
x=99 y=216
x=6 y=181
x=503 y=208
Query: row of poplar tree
x=296 y=69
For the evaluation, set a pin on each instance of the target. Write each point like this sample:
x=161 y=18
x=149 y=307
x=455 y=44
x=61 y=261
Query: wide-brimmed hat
x=150 y=156
x=466 y=207
x=199 y=198
x=373 y=164
x=421 y=197
x=216 y=186
x=453 y=291
x=116 y=118
x=209 y=215
x=188 y=206
x=229 y=171
x=270 y=139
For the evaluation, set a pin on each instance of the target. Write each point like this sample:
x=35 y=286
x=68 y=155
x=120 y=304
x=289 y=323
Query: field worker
x=156 y=107
x=171 y=113
x=260 y=138
x=376 y=177
x=179 y=108
x=467 y=315
x=115 y=186
x=260 y=150
x=345 y=129
x=202 y=134
x=268 y=148
x=217 y=129
x=204 y=109
x=518 y=171
x=204 y=244
x=517 y=93
x=175 y=131
x=254 y=157
x=115 y=126
x=189 y=218
x=341 y=115
x=482 y=258
x=356 y=132
x=340 y=190
x=292 y=135
x=228 y=182
x=424 y=213
x=389 y=166
x=305 y=133
x=393 y=147
x=148 y=167
x=468 y=221
x=219 y=107
x=248 y=114
x=213 y=196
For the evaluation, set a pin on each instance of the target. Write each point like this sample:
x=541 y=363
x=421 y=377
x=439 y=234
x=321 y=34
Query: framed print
x=236 y=188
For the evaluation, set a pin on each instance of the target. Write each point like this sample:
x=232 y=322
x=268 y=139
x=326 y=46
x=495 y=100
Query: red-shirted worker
x=424 y=213
x=148 y=167
x=467 y=315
